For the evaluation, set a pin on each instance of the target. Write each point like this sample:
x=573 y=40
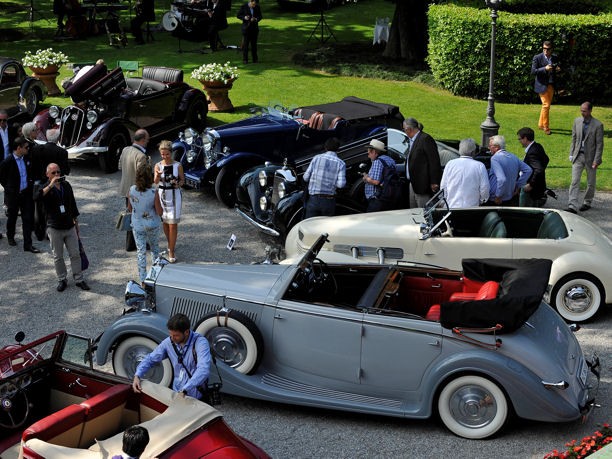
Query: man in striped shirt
x=324 y=175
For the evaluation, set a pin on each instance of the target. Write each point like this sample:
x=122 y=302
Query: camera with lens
x=168 y=175
x=62 y=178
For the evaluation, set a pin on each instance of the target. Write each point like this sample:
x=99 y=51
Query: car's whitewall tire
x=131 y=352
x=472 y=407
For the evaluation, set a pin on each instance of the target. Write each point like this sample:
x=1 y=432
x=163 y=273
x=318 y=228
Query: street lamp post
x=489 y=126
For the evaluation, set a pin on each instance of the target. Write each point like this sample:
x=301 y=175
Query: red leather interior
x=106 y=401
x=419 y=293
x=56 y=423
x=434 y=313
x=488 y=291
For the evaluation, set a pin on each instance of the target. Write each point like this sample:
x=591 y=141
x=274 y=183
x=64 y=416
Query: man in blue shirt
x=326 y=172
x=508 y=174
x=189 y=354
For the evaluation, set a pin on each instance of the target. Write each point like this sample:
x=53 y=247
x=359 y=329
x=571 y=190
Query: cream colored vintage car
x=581 y=275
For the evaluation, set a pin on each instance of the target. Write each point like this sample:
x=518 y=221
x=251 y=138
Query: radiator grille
x=73 y=119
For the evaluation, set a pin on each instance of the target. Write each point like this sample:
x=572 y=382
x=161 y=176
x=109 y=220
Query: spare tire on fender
x=234 y=339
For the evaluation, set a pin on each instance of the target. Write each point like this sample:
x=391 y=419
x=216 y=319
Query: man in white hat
x=383 y=166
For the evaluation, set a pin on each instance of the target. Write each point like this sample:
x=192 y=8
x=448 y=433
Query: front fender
x=30 y=82
x=135 y=323
x=239 y=158
x=187 y=98
x=286 y=209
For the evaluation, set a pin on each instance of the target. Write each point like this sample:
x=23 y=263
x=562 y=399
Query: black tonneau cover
x=354 y=108
x=522 y=284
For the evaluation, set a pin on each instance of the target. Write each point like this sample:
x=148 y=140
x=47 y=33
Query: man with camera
x=544 y=66
x=189 y=354
x=62 y=212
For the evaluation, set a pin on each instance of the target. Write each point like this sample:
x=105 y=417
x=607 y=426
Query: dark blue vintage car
x=272 y=197
x=19 y=93
x=221 y=155
x=108 y=108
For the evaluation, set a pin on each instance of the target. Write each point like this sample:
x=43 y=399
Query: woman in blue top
x=146 y=211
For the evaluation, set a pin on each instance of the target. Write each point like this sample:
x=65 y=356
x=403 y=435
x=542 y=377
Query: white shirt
x=5 y=141
x=465 y=182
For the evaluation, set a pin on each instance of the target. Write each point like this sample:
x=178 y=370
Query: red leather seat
x=104 y=413
x=488 y=291
x=434 y=313
x=64 y=427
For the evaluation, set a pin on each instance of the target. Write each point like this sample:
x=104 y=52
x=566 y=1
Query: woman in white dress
x=170 y=178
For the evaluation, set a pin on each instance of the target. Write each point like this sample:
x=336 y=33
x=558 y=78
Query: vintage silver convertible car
x=54 y=404
x=581 y=275
x=405 y=341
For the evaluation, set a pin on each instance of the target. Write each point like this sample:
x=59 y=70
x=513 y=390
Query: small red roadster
x=53 y=404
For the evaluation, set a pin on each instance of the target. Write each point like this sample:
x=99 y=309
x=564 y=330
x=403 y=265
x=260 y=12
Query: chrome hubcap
x=137 y=354
x=577 y=298
x=473 y=407
x=227 y=345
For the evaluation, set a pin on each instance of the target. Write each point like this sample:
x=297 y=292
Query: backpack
x=390 y=188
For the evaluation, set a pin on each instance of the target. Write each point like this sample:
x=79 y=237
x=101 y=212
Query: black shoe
x=83 y=285
x=584 y=207
x=571 y=210
x=61 y=285
x=31 y=249
x=12 y=242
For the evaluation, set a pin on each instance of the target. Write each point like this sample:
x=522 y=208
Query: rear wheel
x=109 y=161
x=32 y=101
x=131 y=352
x=225 y=185
x=473 y=407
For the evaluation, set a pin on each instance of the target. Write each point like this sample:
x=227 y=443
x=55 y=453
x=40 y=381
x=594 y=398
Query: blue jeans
x=150 y=235
x=317 y=206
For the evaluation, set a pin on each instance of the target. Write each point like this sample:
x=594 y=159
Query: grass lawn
x=277 y=79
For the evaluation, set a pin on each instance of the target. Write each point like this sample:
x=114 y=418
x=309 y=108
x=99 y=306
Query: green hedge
x=459 y=50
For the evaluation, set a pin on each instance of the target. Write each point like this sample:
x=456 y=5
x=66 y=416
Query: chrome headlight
x=54 y=111
x=263 y=178
x=282 y=190
x=190 y=135
x=263 y=203
x=92 y=116
x=191 y=156
x=134 y=294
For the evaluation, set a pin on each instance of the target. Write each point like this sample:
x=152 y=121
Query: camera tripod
x=326 y=32
x=32 y=12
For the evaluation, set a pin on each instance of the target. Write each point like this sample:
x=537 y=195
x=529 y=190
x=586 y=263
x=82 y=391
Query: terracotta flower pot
x=218 y=95
x=47 y=75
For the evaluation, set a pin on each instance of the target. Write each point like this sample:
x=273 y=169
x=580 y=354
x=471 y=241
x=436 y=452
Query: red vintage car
x=54 y=404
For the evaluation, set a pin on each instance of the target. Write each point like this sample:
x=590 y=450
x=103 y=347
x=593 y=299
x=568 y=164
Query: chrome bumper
x=256 y=224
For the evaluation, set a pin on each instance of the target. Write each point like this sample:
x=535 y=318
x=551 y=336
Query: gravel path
x=29 y=302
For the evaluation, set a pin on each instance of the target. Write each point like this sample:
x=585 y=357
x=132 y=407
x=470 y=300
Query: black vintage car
x=108 y=108
x=271 y=197
x=221 y=155
x=19 y=93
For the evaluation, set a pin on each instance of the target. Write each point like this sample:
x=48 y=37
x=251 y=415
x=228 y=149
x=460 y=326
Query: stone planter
x=48 y=75
x=218 y=95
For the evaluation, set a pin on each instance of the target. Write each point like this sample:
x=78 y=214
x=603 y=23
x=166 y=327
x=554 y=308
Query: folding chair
x=129 y=66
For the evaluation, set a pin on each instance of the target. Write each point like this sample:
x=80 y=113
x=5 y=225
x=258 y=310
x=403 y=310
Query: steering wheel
x=322 y=276
x=14 y=407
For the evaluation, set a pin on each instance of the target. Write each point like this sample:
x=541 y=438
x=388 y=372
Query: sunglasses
x=55 y=172
x=3 y=120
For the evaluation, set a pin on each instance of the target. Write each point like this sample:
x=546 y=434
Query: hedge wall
x=460 y=42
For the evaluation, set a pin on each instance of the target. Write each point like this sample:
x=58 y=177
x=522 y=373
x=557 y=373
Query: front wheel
x=577 y=297
x=225 y=185
x=131 y=352
x=109 y=161
x=473 y=407
x=234 y=339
